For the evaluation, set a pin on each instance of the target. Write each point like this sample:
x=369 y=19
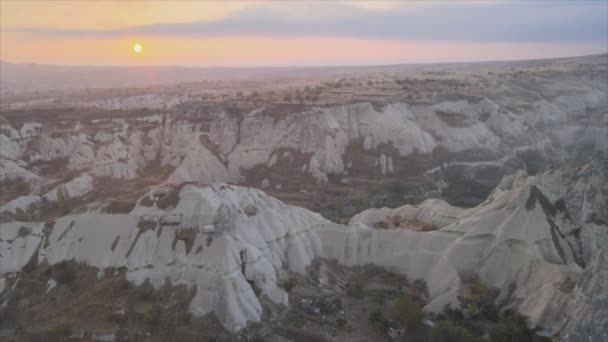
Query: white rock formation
x=200 y=165
x=20 y=203
x=77 y=187
x=219 y=264
x=213 y=240
x=11 y=170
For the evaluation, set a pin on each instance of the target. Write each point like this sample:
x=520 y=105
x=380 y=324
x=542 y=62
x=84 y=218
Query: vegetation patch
x=400 y=222
x=171 y=199
x=188 y=235
x=24 y=231
x=120 y=206
x=146 y=202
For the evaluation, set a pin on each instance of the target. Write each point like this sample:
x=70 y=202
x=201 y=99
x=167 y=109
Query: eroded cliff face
x=459 y=148
x=221 y=240
x=227 y=242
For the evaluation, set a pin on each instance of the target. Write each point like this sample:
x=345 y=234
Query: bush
x=22 y=216
x=513 y=327
x=63 y=274
x=447 y=331
x=395 y=188
x=256 y=289
x=489 y=311
x=341 y=322
x=24 y=231
x=356 y=291
x=257 y=338
x=250 y=210
x=62 y=329
x=376 y=320
x=151 y=319
x=420 y=286
x=407 y=312
x=289 y=284
x=478 y=300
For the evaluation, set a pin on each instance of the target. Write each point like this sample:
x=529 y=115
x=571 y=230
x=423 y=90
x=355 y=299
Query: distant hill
x=15 y=77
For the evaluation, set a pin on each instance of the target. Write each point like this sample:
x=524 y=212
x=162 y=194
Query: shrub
x=420 y=286
x=356 y=291
x=341 y=322
x=453 y=314
x=447 y=331
x=251 y=210
x=289 y=284
x=62 y=329
x=407 y=312
x=63 y=274
x=376 y=320
x=513 y=327
x=151 y=319
x=478 y=300
x=256 y=289
x=396 y=188
x=24 y=231
x=22 y=216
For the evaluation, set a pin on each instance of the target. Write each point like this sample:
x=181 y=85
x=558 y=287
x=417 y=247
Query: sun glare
x=137 y=48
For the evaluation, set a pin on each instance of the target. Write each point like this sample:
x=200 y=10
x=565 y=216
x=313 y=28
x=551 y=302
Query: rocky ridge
x=228 y=241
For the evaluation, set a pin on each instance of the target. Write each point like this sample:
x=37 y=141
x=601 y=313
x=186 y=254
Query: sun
x=138 y=48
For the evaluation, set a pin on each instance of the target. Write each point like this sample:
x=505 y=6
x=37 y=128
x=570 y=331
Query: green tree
x=514 y=327
x=447 y=331
x=407 y=312
x=376 y=320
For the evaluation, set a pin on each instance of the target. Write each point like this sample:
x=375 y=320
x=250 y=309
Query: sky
x=302 y=33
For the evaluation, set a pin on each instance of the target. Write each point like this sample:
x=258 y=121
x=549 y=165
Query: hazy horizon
x=295 y=66
x=279 y=34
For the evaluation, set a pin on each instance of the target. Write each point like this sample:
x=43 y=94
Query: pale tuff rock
x=515 y=241
x=227 y=249
x=59 y=147
x=120 y=148
x=386 y=164
x=224 y=132
x=11 y=170
x=584 y=313
x=394 y=124
x=77 y=187
x=20 y=203
x=382 y=163
x=458 y=129
x=200 y=165
x=223 y=222
x=82 y=158
x=434 y=212
x=272 y=161
x=11 y=149
x=315 y=171
x=13 y=141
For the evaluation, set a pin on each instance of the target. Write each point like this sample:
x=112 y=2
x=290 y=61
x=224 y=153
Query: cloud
x=529 y=21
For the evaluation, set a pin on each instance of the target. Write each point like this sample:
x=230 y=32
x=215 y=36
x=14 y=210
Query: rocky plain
x=219 y=207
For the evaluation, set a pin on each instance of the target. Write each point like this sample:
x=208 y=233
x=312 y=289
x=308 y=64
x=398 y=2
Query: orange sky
x=241 y=49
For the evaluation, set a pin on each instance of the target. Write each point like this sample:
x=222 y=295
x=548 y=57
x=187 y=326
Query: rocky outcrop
x=228 y=253
x=239 y=239
x=77 y=187
x=470 y=142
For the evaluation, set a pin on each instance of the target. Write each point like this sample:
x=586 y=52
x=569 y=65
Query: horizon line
x=296 y=66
